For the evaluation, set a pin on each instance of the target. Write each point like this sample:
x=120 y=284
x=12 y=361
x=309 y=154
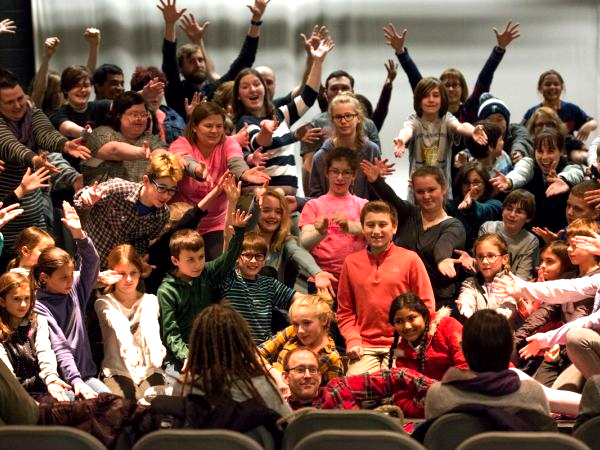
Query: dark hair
x=580 y=189
x=339 y=74
x=72 y=75
x=560 y=250
x=8 y=80
x=366 y=104
x=255 y=242
x=493 y=133
x=412 y=301
x=550 y=137
x=8 y=282
x=498 y=241
x=50 y=261
x=487 y=341
x=102 y=72
x=430 y=171
x=342 y=153
x=28 y=237
x=185 y=51
x=185 y=240
x=378 y=206
x=122 y=103
x=142 y=75
x=521 y=199
x=463 y=174
x=201 y=112
x=222 y=354
x=239 y=109
x=455 y=73
x=549 y=72
x=423 y=88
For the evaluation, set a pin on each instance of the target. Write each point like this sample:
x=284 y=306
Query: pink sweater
x=368 y=284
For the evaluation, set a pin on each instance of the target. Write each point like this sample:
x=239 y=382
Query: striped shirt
x=254 y=300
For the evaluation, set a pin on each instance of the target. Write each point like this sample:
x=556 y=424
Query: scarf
x=23 y=129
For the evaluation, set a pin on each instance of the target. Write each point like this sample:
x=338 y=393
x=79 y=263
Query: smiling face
x=429 y=194
x=547 y=157
x=474 y=183
x=431 y=103
x=17 y=302
x=13 y=103
x=271 y=213
x=209 y=131
x=340 y=177
x=130 y=278
x=378 y=231
x=308 y=328
x=409 y=324
x=490 y=260
x=514 y=218
x=304 y=385
x=551 y=88
x=112 y=87
x=156 y=193
x=250 y=263
x=134 y=121
x=251 y=93
x=79 y=94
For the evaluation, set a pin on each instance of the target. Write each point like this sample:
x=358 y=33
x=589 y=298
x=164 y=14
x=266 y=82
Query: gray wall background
x=441 y=33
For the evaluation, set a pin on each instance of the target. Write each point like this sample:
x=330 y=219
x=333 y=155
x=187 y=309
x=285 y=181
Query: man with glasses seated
x=404 y=388
x=330 y=224
x=124 y=212
x=254 y=295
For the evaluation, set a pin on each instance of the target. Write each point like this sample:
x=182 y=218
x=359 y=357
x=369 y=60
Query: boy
x=491 y=155
x=369 y=281
x=123 y=212
x=192 y=286
x=254 y=295
x=330 y=224
x=523 y=247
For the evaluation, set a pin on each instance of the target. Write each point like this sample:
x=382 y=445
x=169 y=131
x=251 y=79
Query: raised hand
x=92 y=35
x=371 y=171
x=50 y=46
x=258 y=158
x=399 y=147
x=233 y=190
x=479 y=135
x=193 y=30
x=191 y=106
x=393 y=39
x=9 y=213
x=465 y=260
x=109 y=277
x=256 y=175
x=7 y=26
x=36 y=180
x=258 y=9
x=318 y=34
x=76 y=149
x=241 y=218
x=92 y=194
x=510 y=33
x=385 y=167
x=501 y=181
x=392 y=70
x=547 y=235
x=321 y=225
x=262 y=191
x=71 y=221
x=169 y=11
x=325 y=46
x=588 y=243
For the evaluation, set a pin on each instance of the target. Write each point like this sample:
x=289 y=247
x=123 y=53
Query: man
x=405 y=387
x=24 y=132
x=337 y=82
x=190 y=60
x=108 y=82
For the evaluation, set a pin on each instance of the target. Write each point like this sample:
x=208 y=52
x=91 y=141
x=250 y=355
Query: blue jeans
x=97 y=385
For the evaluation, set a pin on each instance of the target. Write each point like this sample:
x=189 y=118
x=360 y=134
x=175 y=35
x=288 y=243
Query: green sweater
x=181 y=301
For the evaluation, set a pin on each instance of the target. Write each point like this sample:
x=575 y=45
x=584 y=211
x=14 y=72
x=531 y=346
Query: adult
x=108 y=82
x=24 y=132
x=190 y=61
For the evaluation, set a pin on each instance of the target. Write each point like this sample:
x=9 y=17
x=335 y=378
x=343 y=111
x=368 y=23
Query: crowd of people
x=149 y=247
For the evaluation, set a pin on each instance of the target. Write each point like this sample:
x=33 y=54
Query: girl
x=269 y=127
x=432 y=130
x=310 y=317
x=61 y=298
x=223 y=361
x=551 y=86
x=493 y=261
x=348 y=119
x=133 y=351
x=275 y=225
x=427 y=343
x=29 y=243
x=208 y=154
x=25 y=348
x=425 y=227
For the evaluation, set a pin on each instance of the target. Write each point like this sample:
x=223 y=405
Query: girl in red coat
x=424 y=342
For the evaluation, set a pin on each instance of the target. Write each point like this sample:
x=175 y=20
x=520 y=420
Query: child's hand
x=36 y=180
x=109 y=277
x=258 y=158
x=84 y=391
x=592 y=198
x=557 y=185
x=534 y=347
x=241 y=218
x=9 y=213
x=76 y=149
x=507 y=286
x=547 y=235
x=465 y=260
x=191 y=106
x=553 y=354
x=399 y=147
x=588 y=243
x=325 y=46
x=57 y=390
x=50 y=46
x=479 y=135
x=355 y=353
x=256 y=175
x=323 y=283
x=92 y=194
x=541 y=272
x=232 y=189
x=269 y=125
x=393 y=39
x=147 y=268
x=510 y=33
x=342 y=222
x=501 y=181
x=392 y=70
x=71 y=221
x=385 y=167
x=371 y=171
x=516 y=156
x=321 y=225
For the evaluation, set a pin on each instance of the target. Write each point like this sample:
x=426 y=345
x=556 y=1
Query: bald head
x=269 y=77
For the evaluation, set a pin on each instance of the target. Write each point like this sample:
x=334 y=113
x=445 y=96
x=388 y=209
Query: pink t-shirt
x=333 y=249
x=192 y=191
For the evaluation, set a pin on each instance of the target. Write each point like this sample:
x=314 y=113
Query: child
x=369 y=280
x=62 y=297
x=25 y=348
x=133 y=351
x=253 y=295
x=311 y=317
x=432 y=130
x=330 y=224
x=518 y=209
x=29 y=243
x=426 y=342
x=491 y=155
x=192 y=286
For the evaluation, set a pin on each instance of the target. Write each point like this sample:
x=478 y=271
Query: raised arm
x=92 y=35
x=40 y=80
x=195 y=33
x=396 y=41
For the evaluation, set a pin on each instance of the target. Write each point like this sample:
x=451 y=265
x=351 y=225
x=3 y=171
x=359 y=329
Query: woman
x=348 y=119
x=268 y=128
x=426 y=228
x=545 y=117
x=121 y=149
x=208 y=154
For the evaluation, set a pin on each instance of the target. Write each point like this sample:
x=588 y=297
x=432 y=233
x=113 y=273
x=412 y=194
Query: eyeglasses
x=259 y=257
x=301 y=370
x=344 y=173
x=137 y=114
x=162 y=189
x=472 y=183
x=491 y=258
x=347 y=117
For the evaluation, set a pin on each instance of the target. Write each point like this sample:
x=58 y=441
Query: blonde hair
x=165 y=165
x=349 y=98
x=283 y=233
x=320 y=304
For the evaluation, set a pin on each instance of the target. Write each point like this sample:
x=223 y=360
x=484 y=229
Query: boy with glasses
x=254 y=295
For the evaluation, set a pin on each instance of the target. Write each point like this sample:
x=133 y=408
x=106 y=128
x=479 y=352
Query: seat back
x=358 y=440
x=522 y=440
x=589 y=432
x=27 y=437
x=213 y=439
x=317 y=420
x=451 y=429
